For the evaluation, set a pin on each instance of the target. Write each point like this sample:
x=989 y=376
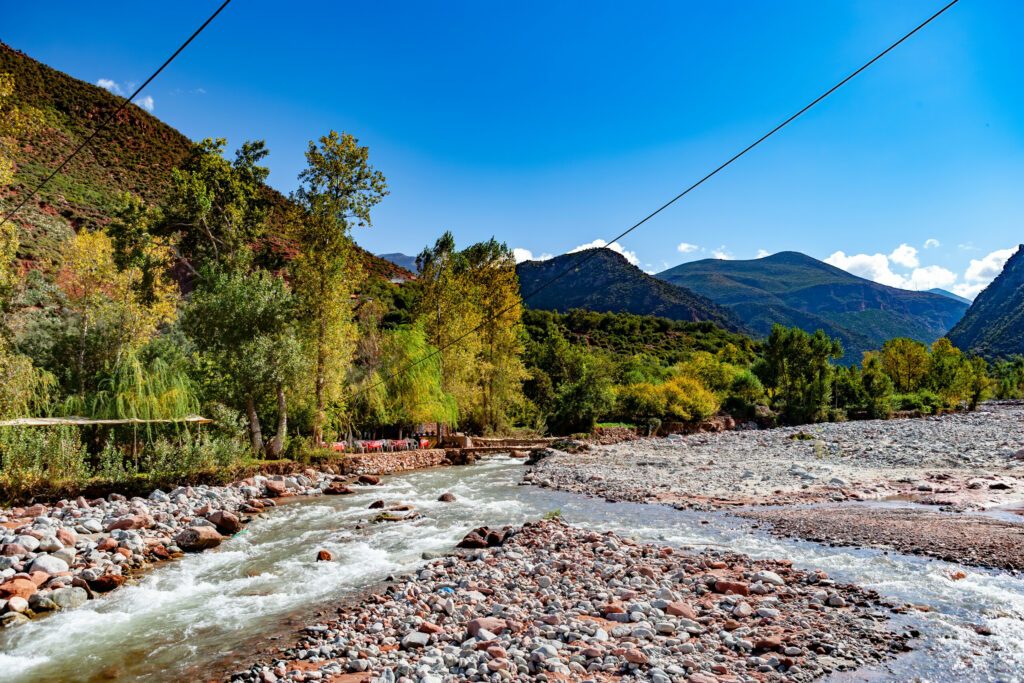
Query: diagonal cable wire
x=106 y=122
x=576 y=264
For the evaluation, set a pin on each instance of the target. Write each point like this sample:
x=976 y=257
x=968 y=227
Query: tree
x=798 y=372
x=877 y=386
x=906 y=362
x=216 y=208
x=241 y=322
x=105 y=312
x=338 y=189
x=948 y=374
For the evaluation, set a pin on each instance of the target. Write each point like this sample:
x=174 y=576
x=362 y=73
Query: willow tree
x=337 y=191
x=491 y=270
x=411 y=371
x=451 y=317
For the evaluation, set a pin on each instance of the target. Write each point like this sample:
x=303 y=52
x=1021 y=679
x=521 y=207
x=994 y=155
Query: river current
x=208 y=611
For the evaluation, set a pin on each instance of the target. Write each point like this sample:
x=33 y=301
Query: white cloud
x=930 y=277
x=614 y=246
x=871 y=266
x=932 y=243
x=109 y=85
x=686 y=248
x=980 y=272
x=722 y=253
x=761 y=253
x=521 y=255
x=906 y=256
x=146 y=102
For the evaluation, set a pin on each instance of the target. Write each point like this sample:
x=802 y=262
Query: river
x=187 y=618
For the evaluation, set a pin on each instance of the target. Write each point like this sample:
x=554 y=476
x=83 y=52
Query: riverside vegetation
x=217 y=296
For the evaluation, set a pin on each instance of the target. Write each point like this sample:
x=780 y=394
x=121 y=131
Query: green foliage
x=993 y=327
x=29 y=456
x=798 y=373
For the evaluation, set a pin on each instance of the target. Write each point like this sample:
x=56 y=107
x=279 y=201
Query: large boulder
x=48 y=564
x=69 y=598
x=22 y=588
x=130 y=522
x=197 y=538
x=226 y=522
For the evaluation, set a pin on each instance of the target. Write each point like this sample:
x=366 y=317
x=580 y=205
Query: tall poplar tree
x=338 y=189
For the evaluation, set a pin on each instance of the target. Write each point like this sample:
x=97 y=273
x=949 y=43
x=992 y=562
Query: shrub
x=31 y=455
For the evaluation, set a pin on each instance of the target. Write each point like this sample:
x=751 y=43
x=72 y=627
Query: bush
x=31 y=455
x=687 y=400
x=924 y=401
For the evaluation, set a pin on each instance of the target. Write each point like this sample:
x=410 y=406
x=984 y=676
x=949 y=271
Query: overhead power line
x=106 y=122
x=587 y=256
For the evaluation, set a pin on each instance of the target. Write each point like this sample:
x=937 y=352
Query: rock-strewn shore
x=968 y=539
x=962 y=460
x=560 y=603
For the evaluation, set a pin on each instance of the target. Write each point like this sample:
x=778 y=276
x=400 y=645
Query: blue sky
x=553 y=124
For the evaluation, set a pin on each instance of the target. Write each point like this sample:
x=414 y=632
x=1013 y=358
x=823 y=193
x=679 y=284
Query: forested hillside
x=604 y=281
x=994 y=324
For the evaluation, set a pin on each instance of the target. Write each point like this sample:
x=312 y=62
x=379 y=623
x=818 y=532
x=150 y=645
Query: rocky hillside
x=135 y=154
x=608 y=283
x=794 y=289
x=994 y=324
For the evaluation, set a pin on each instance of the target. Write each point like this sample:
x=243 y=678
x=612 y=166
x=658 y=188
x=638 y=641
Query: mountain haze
x=794 y=289
x=607 y=283
x=994 y=324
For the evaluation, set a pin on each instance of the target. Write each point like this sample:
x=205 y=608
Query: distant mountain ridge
x=993 y=326
x=401 y=260
x=794 y=289
x=951 y=295
x=607 y=283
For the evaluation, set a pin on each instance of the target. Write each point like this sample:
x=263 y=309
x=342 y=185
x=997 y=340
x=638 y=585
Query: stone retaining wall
x=389 y=463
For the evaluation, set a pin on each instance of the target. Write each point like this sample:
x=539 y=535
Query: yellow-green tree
x=104 y=310
x=338 y=189
x=906 y=362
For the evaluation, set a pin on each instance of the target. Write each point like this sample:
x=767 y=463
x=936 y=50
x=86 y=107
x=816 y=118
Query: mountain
x=604 y=281
x=994 y=324
x=951 y=295
x=794 y=289
x=401 y=260
x=136 y=153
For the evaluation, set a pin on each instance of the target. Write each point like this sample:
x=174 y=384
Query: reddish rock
x=768 y=643
x=67 y=537
x=428 y=627
x=226 y=522
x=492 y=624
x=39 y=578
x=614 y=607
x=106 y=583
x=324 y=556
x=337 y=488
x=106 y=545
x=275 y=488
x=369 y=479
x=131 y=522
x=634 y=656
x=37 y=510
x=447 y=498
x=681 y=609
x=736 y=587
x=160 y=552
x=124 y=552
x=196 y=538
x=13 y=550
x=22 y=588
x=377 y=505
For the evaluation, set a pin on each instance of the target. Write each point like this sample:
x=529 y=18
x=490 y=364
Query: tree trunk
x=277 y=444
x=255 y=433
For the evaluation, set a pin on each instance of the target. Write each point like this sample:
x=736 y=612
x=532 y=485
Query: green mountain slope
x=135 y=153
x=994 y=324
x=608 y=283
x=796 y=290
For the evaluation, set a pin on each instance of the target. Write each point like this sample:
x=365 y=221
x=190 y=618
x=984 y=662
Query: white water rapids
x=186 y=616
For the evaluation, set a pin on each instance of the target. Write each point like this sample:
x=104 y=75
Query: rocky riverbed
x=549 y=601
x=56 y=557
x=968 y=538
x=961 y=461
